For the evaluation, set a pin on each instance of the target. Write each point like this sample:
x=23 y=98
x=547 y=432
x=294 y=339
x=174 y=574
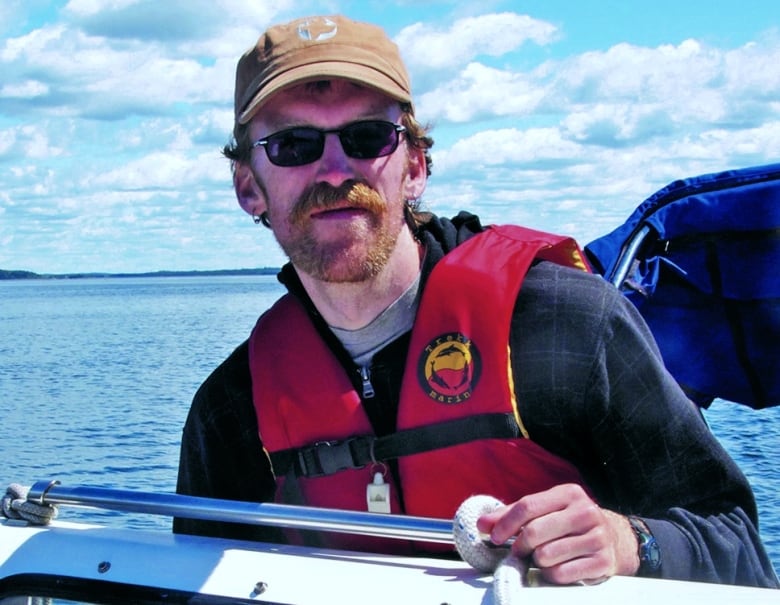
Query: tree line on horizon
x=6 y=274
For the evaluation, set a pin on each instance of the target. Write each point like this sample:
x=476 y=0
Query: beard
x=363 y=248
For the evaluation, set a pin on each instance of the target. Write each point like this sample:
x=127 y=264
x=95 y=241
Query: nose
x=335 y=166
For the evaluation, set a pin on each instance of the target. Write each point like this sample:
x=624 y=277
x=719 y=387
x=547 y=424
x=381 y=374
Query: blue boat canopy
x=700 y=259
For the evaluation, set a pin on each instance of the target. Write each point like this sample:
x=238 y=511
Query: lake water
x=96 y=377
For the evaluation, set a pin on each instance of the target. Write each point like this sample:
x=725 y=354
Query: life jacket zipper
x=368 y=388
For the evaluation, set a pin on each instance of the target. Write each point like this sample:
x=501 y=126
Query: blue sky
x=558 y=115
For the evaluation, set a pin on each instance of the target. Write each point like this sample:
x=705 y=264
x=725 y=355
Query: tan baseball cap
x=316 y=48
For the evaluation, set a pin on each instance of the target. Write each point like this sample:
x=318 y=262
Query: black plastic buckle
x=327 y=458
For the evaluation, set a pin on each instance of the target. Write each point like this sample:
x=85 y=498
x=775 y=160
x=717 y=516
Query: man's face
x=337 y=218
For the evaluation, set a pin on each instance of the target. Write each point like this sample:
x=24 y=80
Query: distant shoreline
x=6 y=274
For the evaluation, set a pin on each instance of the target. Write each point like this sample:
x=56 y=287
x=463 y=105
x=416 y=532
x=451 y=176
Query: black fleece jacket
x=591 y=388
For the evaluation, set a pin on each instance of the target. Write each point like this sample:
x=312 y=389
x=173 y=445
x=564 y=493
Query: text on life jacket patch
x=449 y=368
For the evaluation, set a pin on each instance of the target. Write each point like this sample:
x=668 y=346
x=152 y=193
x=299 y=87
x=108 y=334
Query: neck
x=352 y=306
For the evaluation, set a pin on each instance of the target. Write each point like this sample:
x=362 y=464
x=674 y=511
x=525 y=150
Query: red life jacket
x=462 y=432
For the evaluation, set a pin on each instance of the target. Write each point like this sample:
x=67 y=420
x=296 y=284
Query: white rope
x=509 y=571
x=16 y=506
x=511 y=574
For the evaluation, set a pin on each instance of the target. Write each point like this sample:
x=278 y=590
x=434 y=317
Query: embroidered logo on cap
x=317 y=30
x=449 y=368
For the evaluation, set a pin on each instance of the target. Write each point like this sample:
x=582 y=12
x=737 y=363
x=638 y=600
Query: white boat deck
x=119 y=559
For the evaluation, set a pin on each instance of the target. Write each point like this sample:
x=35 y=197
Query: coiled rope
x=16 y=506
x=510 y=572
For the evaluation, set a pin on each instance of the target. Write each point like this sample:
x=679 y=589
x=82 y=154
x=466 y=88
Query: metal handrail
x=381 y=525
x=623 y=265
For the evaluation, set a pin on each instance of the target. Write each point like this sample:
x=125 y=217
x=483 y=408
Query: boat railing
x=427 y=529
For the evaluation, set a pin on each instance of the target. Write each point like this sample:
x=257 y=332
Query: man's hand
x=570 y=538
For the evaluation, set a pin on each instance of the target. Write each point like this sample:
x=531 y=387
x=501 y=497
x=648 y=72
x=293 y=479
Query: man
x=421 y=360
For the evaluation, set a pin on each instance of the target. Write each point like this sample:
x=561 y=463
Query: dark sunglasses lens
x=364 y=140
x=295 y=147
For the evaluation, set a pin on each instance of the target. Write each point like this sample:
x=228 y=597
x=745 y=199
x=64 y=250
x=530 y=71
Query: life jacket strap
x=329 y=457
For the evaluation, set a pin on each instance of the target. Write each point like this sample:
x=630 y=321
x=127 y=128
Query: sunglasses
x=304 y=144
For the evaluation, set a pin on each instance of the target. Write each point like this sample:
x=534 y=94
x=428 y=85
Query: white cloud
x=687 y=85
x=7 y=141
x=426 y=47
x=121 y=122
x=25 y=90
x=623 y=95
x=92 y=7
x=30 y=45
x=162 y=170
x=36 y=145
x=480 y=90
x=27 y=142
x=640 y=73
x=112 y=77
x=508 y=147
x=193 y=21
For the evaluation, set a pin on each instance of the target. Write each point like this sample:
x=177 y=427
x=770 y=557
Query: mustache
x=324 y=196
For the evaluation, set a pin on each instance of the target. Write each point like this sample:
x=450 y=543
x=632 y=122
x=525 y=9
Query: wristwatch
x=649 y=551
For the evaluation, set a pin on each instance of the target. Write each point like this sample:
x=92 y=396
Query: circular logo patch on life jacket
x=449 y=368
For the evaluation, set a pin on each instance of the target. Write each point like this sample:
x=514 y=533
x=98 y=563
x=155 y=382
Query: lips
x=338 y=211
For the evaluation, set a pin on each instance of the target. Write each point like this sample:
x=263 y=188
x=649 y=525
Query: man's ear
x=417 y=174
x=248 y=193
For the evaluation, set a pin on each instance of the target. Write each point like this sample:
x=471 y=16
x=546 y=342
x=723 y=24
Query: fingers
x=511 y=520
x=569 y=537
x=570 y=558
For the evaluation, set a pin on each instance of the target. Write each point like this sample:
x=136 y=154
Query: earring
x=262 y=218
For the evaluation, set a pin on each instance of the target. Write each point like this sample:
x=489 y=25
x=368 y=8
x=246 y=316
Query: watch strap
x=647 y=548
